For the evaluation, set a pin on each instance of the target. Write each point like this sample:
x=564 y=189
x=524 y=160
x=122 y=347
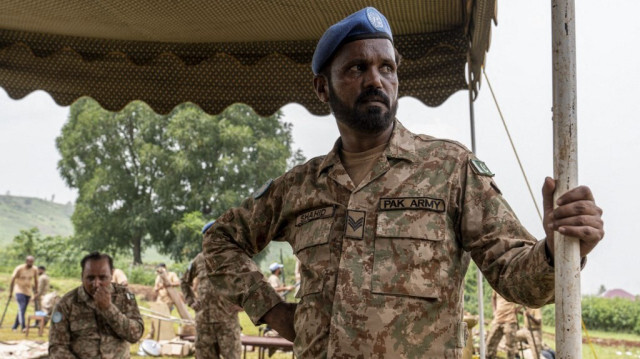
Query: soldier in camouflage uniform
x=217 y=325
x=96 y=320
x=384 y=225
x=504 y=323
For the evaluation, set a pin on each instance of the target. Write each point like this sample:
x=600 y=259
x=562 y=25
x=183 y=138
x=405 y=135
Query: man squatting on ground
x=385 y=224
x=217 y=324
x=96 y=320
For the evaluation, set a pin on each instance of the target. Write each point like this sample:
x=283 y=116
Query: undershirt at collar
x=359 y=164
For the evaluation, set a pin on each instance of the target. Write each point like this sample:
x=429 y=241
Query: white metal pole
x=565 y=168
x=472 y=127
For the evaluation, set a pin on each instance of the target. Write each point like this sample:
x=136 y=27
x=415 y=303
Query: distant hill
x=18 y=213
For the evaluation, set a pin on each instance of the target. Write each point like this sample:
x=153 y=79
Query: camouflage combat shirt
x=213 y=308
x=80 y=330
x=382 y=263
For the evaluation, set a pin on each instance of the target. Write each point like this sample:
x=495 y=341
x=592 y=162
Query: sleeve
x=239 y=234
x=512 y=260
x=187 y=283
x=156 y=286
x=59 y=334
x=126 y=322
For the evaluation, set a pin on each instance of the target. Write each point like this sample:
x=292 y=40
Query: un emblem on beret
x=375 y=19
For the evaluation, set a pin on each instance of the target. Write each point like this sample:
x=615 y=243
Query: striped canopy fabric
x=215 y=53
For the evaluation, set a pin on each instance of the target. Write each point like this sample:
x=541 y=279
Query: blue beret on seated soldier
x=385 y=224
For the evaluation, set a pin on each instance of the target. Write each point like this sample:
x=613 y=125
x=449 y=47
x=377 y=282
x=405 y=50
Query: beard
x=371 y=119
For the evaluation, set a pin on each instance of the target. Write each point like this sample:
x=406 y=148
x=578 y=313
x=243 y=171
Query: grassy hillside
x=18 y=213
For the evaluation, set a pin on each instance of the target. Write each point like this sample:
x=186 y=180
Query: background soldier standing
x=96 y=320
x=159 y=287
x=217 y=325
x=505 y=324
x=532 y=331
x=276 y=283
x=23 y=276
x=43 y=287
x=119 y=277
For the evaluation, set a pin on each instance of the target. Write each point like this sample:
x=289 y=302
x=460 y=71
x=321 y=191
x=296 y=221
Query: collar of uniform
x=84 y=297
x=401 y=143
x=401 y=146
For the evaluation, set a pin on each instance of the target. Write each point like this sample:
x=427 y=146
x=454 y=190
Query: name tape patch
x=426 y=203
x=317 y=213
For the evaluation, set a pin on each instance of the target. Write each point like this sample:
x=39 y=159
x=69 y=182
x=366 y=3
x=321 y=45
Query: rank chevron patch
x=355 y=224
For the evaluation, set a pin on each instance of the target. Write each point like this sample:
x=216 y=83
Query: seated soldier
x=98 y=319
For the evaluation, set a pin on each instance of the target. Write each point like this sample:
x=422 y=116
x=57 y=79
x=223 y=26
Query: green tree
x=60 y=254
x=138 y=173
x=188 y=234
x=471 y=292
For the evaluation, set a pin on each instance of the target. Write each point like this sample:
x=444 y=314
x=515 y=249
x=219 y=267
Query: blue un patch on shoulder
x=56 y=317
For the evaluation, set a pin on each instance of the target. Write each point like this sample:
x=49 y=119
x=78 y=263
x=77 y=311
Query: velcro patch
x=312 y=215
x=401 y=203
x=355 y=224
x=480 y=168
x=131 y=296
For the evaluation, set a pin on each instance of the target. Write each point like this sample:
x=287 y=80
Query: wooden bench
x=264 y=343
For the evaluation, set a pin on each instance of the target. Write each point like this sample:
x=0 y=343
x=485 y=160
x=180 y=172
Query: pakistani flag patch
x=480 y=168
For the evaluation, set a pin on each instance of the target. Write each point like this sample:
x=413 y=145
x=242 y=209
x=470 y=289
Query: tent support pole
x=565 y=169
x=472 y=126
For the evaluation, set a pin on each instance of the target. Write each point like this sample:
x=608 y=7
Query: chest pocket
x=83 y=324
x=409 y=252
x=311 y=246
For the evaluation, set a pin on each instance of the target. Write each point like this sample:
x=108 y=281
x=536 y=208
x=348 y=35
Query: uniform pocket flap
x=411 y=224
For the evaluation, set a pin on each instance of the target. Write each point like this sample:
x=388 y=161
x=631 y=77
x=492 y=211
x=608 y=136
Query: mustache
x=373 y=92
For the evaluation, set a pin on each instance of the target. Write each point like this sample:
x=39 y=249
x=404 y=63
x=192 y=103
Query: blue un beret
x=367 y=23
x=207 y=226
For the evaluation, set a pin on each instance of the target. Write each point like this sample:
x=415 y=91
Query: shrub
x=611 y=314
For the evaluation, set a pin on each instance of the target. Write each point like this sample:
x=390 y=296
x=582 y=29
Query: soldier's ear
x=321 y=86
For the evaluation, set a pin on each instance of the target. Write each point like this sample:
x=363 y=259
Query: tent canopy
x=215 y=53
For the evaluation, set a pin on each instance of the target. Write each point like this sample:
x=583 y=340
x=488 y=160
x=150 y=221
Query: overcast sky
x=519 y=68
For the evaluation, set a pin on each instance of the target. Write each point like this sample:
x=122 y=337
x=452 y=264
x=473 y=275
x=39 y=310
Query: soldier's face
x=363 y=86
x=29 y=261
x=95 y=274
